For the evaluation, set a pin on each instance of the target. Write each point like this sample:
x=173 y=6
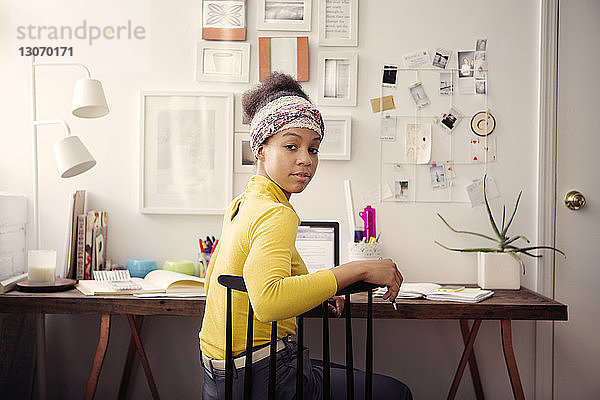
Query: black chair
x=232 y=282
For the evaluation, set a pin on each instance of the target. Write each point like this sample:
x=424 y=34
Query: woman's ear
x=260 y=153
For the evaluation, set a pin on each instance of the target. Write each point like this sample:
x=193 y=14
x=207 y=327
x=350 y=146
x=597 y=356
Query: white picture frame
x=284 y=15
x=243 y=159
x=222 y=62
x=185 y=154
x=338 y=23
x=338 y=76
x=337 y=143
x=241 y=124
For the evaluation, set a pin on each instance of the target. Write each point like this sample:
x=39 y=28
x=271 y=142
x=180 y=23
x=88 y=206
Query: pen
x=393 y=300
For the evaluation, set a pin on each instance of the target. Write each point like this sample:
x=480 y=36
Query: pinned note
x=387 y=101
x=418 y=143
x=475 y=191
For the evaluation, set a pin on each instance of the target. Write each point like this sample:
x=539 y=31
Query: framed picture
x=283 y=54
x=224 y=19
x=338 y=78
x=338 y=22
x=243 y=160
x=223 y=62
x=284 y=15
x=242 y=124
x=336 y=144
x=186 y=143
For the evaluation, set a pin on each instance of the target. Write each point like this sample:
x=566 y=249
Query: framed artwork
x=338 y=22
x=186 y=143
x=224 y=19
x=242 y=124
x=338 y=78
x=223 y=62
x=284 y=15
x=337 y=142
x=243 y=160
x=283 y=54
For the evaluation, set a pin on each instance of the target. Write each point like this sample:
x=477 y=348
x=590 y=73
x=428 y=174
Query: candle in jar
x=41 y=266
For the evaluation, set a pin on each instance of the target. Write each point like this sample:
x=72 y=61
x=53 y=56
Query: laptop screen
x=318 y=244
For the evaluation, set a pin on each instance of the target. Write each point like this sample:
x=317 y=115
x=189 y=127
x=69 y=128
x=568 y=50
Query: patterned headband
x=284 y=113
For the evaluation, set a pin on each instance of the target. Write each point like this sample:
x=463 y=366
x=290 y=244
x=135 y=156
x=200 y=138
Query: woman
x=258 y=242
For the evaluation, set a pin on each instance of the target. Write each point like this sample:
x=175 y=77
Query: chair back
x=233 y=282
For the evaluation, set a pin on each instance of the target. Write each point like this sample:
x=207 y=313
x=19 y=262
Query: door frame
x=547 y=194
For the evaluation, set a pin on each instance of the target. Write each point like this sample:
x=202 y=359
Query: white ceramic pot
x=498 y=271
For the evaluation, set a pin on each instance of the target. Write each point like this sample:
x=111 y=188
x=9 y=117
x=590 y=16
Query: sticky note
x=388 y=103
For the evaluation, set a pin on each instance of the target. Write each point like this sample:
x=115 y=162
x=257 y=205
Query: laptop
x=318 y=243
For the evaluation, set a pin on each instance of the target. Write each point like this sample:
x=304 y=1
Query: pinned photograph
x=438 y=177
x=417 y=91
x=466 y=63
x=480 y=87
x=390 y=75
x=451 y=118
x=446 y=87
x=481 y=45
x=418 y=59
x=441 y=57
x=401 y=192
x=481 y=67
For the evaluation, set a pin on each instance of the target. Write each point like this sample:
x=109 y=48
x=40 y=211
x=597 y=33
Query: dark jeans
x=285 y=388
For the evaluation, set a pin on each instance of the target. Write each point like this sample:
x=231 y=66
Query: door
x=577 y=342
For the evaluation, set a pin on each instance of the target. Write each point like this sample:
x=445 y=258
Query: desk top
x=522 y=304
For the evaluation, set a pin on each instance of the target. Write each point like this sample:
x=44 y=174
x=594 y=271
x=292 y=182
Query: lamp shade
x=72 y=157
x=88 y=99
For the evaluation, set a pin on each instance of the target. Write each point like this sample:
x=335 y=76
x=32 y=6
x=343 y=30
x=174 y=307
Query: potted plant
x=498 y=267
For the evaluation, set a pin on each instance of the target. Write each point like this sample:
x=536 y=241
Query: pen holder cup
x=364 y=251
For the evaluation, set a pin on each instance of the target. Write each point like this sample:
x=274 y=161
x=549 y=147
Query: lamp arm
x=56 y=64
x=54 y=121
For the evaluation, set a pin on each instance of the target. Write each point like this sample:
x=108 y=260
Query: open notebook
x=156 y=283
x=433 y=291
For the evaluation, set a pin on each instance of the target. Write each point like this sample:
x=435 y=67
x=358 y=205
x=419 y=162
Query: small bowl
x=181 y=266
x=139 y=267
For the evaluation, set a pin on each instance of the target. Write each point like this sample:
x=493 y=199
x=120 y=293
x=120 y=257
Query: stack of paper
x=467 y=295
x=433 y=291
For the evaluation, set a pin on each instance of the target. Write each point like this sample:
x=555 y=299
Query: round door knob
x=574 y=200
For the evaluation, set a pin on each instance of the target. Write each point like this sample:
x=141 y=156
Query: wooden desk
x=504 y=306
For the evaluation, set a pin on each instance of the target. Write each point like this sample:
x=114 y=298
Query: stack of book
x=87 y=240
x=433 y=291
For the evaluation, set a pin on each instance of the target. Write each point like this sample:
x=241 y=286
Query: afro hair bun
x=273 y=87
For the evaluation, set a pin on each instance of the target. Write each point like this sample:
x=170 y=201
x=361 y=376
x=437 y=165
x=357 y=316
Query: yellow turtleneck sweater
x=259 y=243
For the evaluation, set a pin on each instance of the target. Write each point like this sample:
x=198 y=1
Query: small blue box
x=139 y=267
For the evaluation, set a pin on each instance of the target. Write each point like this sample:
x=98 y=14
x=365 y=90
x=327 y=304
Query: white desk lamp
x=71 y=155
x=72 y=158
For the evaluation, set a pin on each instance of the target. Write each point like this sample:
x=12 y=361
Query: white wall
x=165 y=61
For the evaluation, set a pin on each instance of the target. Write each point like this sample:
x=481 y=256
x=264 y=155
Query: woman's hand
x=380 y=272
x=385 y=273
x=338 y=307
